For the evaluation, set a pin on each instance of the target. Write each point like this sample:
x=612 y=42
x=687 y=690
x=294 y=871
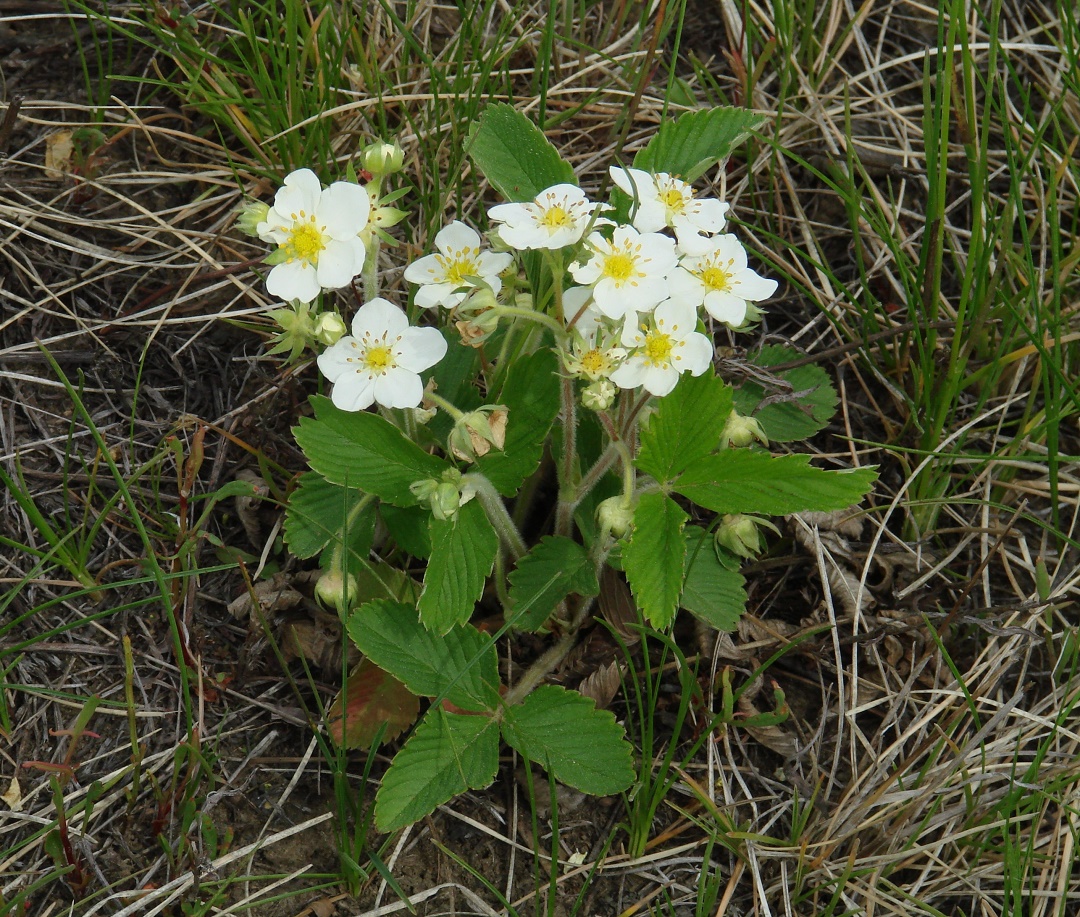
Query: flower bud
x=740 y=431
x=478 y=431
x=599 y=395
x=741 y=534
x=251 y=215
x=616 y=515
x=329 y=328
x=335 y=590
x=383 y=158
x=444 y=497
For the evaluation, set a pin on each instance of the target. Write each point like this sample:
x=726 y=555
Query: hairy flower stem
x=370 y=273
x=567 y=492
x=497 y=515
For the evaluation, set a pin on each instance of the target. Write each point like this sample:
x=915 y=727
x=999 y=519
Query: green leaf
x=653 y=560
x=446 y=755
x=696 y=141
x=581 y=746
x=686 y=426
x=317 y=514
x=463 y=552
x=372 y=699
x=748 y=481
x=545 y=576
x=514 y=155
x=789 y=421
x=408 y=526
x=460 y=665
x=711 y=591
x=531 y=395
x=363 y=450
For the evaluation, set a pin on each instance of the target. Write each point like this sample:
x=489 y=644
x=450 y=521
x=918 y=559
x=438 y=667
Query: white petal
x=455 y=237
x=726 y=307
x=707 y=214
x=685 y=286
x=585 y=272
x=339 y=262
x=643 y=295
x=425 y=270
x=675 y=317
x=492 y=264
x=509 y=213
x=399 y=388
x=631 y=374
x=301 y=191
x=334 y=361
x=694 y=353
x=433 y=295
x=344 y=209
x=354 y=392
x=293 y=280
x=378 y=316
x=727 y=248
x=659 y=380
x=751 y=285
x=420 y=348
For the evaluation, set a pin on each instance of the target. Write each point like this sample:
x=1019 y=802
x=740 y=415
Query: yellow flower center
x=459 y=267
x=305 y=242
x=556 y=217
x=673 y=200
x=619 y=267
x=658 y=347
x=715 y=278
x=379 y=359
x=593 y=362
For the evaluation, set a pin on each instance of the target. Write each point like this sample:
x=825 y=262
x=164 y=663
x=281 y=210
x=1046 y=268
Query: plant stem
x=567 y=492
x=497 y=515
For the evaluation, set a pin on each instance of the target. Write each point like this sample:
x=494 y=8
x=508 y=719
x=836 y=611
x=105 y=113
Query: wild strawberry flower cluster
x=623 y=302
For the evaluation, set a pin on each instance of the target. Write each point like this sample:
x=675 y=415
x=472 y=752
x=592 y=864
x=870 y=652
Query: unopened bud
x=616 y=515
x=599 y=395
x=741 y=534
x=383 y=158
x=740 y=431
x=329 y=328
x=478 y=431
x=251 y=215
x=335 y=590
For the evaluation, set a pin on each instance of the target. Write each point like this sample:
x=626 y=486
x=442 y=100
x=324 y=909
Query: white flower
x=627 y=274
x=382 y=359
x=556 y=217
x=663 y=349
x=445 y=278
x=663 y=200
x=720 y=280
x=580 y=311
x=315 y=230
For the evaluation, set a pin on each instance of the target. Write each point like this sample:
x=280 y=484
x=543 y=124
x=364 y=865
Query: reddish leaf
x=371 y=697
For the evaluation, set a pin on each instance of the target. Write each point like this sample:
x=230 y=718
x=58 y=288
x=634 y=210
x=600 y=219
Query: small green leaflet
x=696 y=141
x=463 y=552
x=459 y=665
x=317 y=515
x=653 y=560
x=514 y=155
x=447 y=754
x=789 y=421
x=365 y=451
x=545 y=576
x=686 y=426
x=749 y=481
x=581 y=746
x=711 y=591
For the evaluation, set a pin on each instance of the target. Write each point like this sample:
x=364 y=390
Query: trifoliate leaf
x=696 y=141
x=748 y=481
x=365 y=451
x=463 y=550
x=789 y=421
x=459 y=665
x=514 y=155
x=564 y=732
x=321 y=513
x=653 y=560
x=408 y=526
x=545 y=576
x=531 y=396
x=711 y=591
x=686 y=426
x=372 y=698
x=446 y=755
